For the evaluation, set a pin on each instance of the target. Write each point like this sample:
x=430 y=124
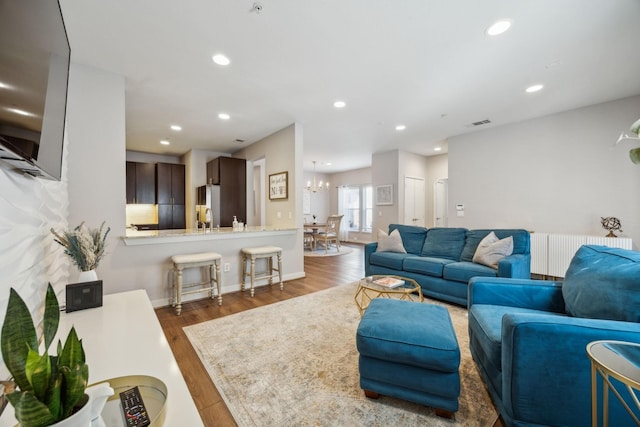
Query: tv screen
x=34 y=71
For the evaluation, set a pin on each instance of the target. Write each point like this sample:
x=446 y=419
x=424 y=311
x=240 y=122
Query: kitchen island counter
x=153 y=237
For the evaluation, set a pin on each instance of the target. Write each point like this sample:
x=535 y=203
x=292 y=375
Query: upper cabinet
x=141 y=183
x=170 y=181
x=170 y=184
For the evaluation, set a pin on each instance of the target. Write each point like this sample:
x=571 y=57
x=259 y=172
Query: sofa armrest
x=525 y=293
x=536 y=346
x=369 y=248
x=516 y=266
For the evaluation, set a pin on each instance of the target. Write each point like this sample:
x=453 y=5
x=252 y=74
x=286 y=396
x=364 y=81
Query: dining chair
x=330 y=233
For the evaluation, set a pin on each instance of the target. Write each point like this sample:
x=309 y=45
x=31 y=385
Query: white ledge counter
x=144 y=258
x=124 y=337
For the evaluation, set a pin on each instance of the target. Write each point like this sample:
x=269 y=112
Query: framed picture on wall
x=278 y=186
x=384 y=194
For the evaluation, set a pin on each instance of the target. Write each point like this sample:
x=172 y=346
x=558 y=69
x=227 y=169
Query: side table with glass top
x=368 y=290
x=619 y=360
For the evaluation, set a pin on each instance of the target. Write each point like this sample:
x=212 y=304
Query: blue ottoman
x=409 y=350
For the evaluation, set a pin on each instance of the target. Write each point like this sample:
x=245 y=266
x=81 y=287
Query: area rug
x=332 y=251
x=295 y=363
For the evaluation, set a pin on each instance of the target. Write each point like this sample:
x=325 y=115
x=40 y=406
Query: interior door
x=440 y=197
x=414 y=201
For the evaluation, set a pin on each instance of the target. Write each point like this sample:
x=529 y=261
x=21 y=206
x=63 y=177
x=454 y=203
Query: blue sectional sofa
x=529 y=337
x=440 y=259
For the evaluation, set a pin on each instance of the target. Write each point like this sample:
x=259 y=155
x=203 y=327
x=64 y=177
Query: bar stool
x=249 y=256
x=205 y=259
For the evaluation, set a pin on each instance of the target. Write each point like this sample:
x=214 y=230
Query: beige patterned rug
x=295 y=363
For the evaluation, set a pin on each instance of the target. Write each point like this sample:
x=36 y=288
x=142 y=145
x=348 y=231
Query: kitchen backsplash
x=142 y=214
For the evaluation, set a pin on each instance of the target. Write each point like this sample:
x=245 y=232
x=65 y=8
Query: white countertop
x=149 y=237
x=124 y=337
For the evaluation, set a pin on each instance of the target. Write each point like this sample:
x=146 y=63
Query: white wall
x=320 y=200
x=385 y=170
x=558 y=173
x=96 y=160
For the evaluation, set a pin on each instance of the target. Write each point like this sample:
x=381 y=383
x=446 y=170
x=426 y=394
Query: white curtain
x=342 y=203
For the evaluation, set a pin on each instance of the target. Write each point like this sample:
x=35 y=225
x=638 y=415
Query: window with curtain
x=356 y=204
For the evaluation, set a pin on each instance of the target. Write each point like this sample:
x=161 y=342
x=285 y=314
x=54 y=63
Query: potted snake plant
x=48 y=388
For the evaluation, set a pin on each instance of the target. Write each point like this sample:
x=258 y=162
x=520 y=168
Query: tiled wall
x=29 y=257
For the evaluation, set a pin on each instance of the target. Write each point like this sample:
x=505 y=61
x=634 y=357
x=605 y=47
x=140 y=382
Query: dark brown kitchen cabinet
x=170 y=184
x=141 y=183
x=170 y=196
x=171 y=217
x=230 y=174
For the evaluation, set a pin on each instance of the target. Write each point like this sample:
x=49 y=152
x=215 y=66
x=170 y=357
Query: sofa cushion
x=464 y=271
x=392 y=260
x=486 y=322
x=521 y=241
x=412 y=237
x=491 y=250
x=444 y=243
x=390 y=242
x=425 y=265
x=603 y=283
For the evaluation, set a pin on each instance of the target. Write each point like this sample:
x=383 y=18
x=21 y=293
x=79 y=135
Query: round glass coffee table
x=368 y=290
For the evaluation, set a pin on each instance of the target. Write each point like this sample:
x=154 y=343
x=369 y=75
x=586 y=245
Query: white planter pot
x=89 y=414
x=88 y=276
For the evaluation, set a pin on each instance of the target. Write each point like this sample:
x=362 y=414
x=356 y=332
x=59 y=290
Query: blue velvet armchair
x=529 y=337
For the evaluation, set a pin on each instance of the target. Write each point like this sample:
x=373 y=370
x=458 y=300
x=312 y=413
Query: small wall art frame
x=384 y=194
x=278 y=186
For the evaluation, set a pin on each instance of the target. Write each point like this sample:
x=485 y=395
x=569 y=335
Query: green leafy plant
x=84 y=245
x=49 y=388
x=634 y=153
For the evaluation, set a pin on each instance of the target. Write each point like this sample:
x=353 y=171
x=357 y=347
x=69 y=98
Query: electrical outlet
x=227 y=266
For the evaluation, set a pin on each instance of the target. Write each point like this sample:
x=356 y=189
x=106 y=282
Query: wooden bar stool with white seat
x=205 y=259
x=249 y=255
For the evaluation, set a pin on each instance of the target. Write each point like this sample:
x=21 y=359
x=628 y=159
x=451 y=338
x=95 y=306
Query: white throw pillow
x=491 y=250
x=390 y=243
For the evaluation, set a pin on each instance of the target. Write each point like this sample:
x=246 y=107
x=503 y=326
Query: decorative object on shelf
x=384 y=194
x=85 y=246
x=49 y=388
x=278 y=185
x=611 y=224
x=634 y=153
x=315 y=186
x=314 y=218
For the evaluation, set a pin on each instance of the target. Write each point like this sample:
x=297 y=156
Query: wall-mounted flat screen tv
x=34 y=74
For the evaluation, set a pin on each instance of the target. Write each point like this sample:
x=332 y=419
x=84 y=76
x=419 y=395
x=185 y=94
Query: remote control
x=135 y=414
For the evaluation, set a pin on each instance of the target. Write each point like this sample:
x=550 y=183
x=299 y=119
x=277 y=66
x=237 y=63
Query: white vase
x=89 y=414
x=88 y=276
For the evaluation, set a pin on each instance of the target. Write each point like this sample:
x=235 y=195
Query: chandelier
x=313 y=186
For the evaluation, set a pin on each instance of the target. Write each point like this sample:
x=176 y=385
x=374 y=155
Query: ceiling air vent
x=481 y=122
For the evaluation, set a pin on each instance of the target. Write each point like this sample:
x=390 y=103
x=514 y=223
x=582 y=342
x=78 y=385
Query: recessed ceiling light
x=401 y=127
x=176 y=127
x=224 y=116
x=499 y=27
x=339 y=104
x=534 y=88
x=21 y=112
x=165 y=142
x=437 y=149
x=221 y=59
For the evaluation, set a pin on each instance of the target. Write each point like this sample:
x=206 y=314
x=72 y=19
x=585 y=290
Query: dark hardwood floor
x=321 y=273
